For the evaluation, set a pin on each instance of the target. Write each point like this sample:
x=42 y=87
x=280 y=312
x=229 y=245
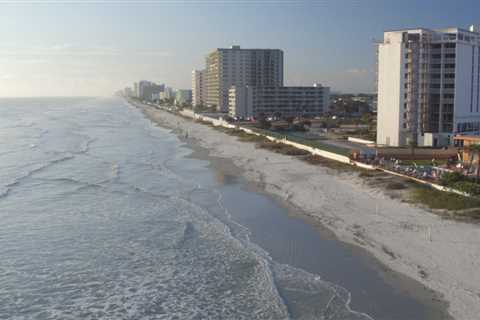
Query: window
x=449 y=75
x=450 y=65
x=436 y=56
x=448 y=95
x=448 y=107
x=450 y=45
x=449 y=85
x=436 y=66
x=450 y=56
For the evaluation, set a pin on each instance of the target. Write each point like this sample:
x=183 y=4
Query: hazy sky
x=63 y=48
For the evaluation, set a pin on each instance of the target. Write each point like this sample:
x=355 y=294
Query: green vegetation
x=458 y=181
x=332 y=164
x=251 y=138
x=282 y=148
x=436 y=199
x=395 y=186
x=449 y=178
x=472 y=188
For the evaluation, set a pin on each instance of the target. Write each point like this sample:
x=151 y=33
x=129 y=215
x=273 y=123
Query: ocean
x=105 y=215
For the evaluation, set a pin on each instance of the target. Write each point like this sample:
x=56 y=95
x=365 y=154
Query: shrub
x=449 y=178
x=292 y=151
x=270 y=145
x=471 y=188
x=395 y=186
x=443 y=200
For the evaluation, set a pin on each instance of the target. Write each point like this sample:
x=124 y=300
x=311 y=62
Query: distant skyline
x=66 y=48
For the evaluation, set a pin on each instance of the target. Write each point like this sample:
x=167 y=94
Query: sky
x=93 y=48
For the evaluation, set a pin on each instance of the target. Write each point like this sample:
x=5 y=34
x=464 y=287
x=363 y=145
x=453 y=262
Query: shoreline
x=398 y=235
x=399 y=282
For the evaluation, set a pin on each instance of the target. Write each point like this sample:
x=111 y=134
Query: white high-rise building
x=241 y=67
x=199 y=88
x=428 y=86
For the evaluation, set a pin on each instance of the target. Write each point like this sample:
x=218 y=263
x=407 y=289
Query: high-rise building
x=135 y=89
x=147 y=90
x=199 y=88
x=128 y=92
x=241 y=67
x=428 y=86
x=183 y=96
x=282 y=102
x=167 y=94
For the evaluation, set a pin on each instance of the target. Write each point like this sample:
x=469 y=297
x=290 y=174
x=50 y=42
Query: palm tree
x=474 y=150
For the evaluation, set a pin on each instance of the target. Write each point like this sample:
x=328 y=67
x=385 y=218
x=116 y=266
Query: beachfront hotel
x=281 y=102
x=199 y=88
x=240 y=67
x=149 y=90
x=428 y=86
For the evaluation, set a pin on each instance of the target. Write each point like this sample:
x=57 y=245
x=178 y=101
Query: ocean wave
x=8 y=187
x=296 y=287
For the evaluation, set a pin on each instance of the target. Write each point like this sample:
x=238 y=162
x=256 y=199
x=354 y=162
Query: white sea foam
x=106 y=226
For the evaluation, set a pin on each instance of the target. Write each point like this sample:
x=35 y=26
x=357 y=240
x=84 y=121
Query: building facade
x=167 y=94
x=135 y=89
x=183 y=96
x=241 y=67
x=428 y=86
x=148 y=90
x=280 y=102
x=199 y=88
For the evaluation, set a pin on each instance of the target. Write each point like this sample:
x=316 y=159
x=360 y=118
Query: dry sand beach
x=442 y=254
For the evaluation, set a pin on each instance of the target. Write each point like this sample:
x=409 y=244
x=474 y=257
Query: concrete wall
x=358 y=140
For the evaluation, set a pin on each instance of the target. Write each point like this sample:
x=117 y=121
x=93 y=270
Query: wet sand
x=294 y=238
x=391 y=231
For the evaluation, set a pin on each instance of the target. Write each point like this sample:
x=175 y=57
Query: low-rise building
x=279 y=102
x=465 y=142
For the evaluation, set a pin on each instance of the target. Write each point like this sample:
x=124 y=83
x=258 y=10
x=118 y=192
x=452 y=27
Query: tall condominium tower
x=428 y=86
x=241 y=67
x=199 y=88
